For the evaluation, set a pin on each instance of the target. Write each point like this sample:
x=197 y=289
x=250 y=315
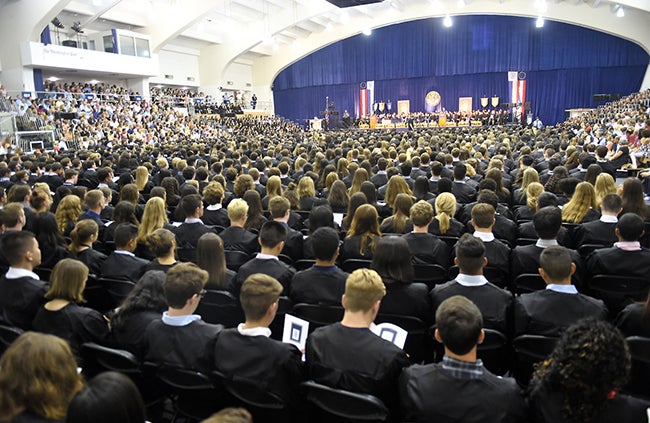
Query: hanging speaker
x=363 y=85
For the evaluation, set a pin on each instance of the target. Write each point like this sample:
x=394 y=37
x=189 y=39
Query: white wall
x=239 y=74
x=179 y=63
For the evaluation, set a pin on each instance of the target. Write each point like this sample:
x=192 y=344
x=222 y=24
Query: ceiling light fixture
x=367 y=31
x=447 y=21
x=539 y=23
x=620 y=12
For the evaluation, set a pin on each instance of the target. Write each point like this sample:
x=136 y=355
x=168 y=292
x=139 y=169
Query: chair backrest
x=235 y=259
x=618 y=291
x=530 y=349
x=431 y=274
x=346 y=404
x=8 y=334
x=528 y=282
x=585 y=249
x=250 y=392
x=118 y=289
x=494 y=352
x=525 y=241
x=285 y=259
x=639 y=348
x=43 y=273
x=318 y=315
x=303 y=264
x=97 y=297
x=277 y=325
x=350 y=265
x=220 y=307
x=183 y=379
x=640 y=374
x=449 y=240
x=104 y=358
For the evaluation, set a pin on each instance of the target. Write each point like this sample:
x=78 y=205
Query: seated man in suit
x=189 y=232
x=271 y=239
x=94 y=202
x=347 y=355
x=426 y=248
x=495 y=303
x=324 y=282
x=13 y=219
x=122 y=263
x=603 y=230
x=280 y=210
x=463 y=192
x=181 y=338
x=626 y=257
x=496 y=252
x=247 y=352
x=459 y=389
x=527 y=230
x=503 y=228
x=525 y=258
x=549 y=312
x=21 y=290
x=235 y=237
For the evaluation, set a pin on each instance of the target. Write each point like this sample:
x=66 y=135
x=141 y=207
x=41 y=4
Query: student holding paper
x=248 y=352
x=347 y=355
x=459 y=388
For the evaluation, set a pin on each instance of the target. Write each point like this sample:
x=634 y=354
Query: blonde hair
x=604 y=185
x=274 y=186
x=396 y=185
x=583 y=199
x=81 y=233
x=530 y=176
x=360 y=176
x=306 y=187
x=421 y=213
x=363 y=289
x=68 y=210
x=141 y=177
x=213 y=193
x=154 y=217
x=533 y=191
x=237 y=209
x=445 y=209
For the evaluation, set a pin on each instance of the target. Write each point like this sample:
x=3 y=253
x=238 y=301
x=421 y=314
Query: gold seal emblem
x=432 y=98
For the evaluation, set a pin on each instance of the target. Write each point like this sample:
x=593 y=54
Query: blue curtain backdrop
x=565 y=65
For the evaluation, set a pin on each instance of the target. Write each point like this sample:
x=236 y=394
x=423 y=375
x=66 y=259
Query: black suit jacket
x=123 y=266
x=239 y=239
x=293 y=244
x=272 y=267
x=272 y=365
x=20 y=300
x=427 y=249
x=614 y=261
x=525 y=259
x=216 y=217
x=429 y=393
x=549 y=312
x=318 y=285
x=463 y=192
x=188 y=234
x=407 y=299
x=595 y=232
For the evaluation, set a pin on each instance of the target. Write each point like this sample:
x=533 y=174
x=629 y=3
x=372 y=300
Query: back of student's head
x=109 y=397
x=321 y=216
x=546 y=199
x=556 y=262
x=11 y=214
x=161 y=241
x=258 y=292
x=547 y=222
x=630 y=226
x=190 y=203
x=15 y=244
x=237 y=209
x=325 y=242
x=230 y=415
x=611 y=203
x=272 y=233
x=278 y=207
x=470 y=252
x=392 y=259
x=421 y=213
x=124 y=233
x=363 y=289
x=488 y=197
x=182 y=282
x=483 y=215
x=93 y=198
x=459 y=323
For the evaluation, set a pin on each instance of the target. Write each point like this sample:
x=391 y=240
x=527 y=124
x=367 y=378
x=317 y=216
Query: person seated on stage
x=181 y=338
x=495 y=303
x=459 y=388
x=324 y=282
x=581 y=379
x=549 y=312
x=525 y=258
x=247 y=351
x=280 y=210
x=122 y=263
x=347 y=355
x=235 y=237
x=189 y=232
x=21 y=291
x=271 y=240
x=426 y=248
x=626 y=257
x=603 y=230
x=496 y=252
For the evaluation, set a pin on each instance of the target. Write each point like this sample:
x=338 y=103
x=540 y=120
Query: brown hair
x=258 y=292
x=67 y=281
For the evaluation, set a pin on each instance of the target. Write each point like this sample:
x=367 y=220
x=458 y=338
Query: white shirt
x=17 y=272
x=608 y=219
x=471 y=280
x=179 y=320
x=266 y=256
x=258 y=331
x=544 y=243
x=124 y=252
x=565 y=289
x=484 y=236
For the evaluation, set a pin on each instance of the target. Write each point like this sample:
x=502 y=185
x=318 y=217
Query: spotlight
x=447 y=21
x=57 y=23
x=367 y=31
x=76 y=27
x=620 y=12
x=539 y=23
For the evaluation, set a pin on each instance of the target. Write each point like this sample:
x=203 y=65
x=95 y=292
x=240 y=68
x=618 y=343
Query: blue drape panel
x=566 y=65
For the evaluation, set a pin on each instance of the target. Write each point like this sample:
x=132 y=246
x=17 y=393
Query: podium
x=373 y=121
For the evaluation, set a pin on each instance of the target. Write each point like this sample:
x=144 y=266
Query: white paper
x=338 y=218
x=390 y=332
x=295 y=331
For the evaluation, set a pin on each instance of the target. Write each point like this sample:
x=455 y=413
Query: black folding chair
x=618 y=291
x=118 y=289
x=318 y=315
x=186 y=254
x=345 y=404
x=235 y=259
x=430 y=274
x=350 y=265
x=640 y=374
x=8 y=334
x=220 y=307
x=260 y=402
x=528 y=282
x=530 y=349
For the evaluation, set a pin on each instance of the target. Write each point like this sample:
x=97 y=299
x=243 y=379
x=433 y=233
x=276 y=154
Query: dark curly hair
x=589 y=362
x=147 y=294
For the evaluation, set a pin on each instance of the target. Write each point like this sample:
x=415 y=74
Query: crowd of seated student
x=494 y=195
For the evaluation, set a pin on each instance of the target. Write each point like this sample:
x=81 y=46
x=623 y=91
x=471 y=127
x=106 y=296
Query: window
x=127 y=45
x=142 y=47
